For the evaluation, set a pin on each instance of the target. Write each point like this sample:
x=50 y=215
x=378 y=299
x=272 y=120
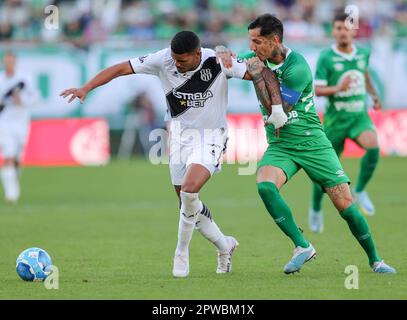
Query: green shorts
x=321 y=165
x=350 y=128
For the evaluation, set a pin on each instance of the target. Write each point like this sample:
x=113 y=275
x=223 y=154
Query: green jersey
x=332 y=68
x=303 y=130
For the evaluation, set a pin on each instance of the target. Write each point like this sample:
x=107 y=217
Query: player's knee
x=190 y=203
x=371 y=144
x=343 y=203
x=9 y=162
x=190 y=187
x=369 y=140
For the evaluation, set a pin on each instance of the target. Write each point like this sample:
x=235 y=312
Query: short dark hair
x=268 y=25
x=185 y=42
x=340 y=16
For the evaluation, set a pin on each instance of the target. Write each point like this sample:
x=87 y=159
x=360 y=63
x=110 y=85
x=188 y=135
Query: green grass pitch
x=112 y=231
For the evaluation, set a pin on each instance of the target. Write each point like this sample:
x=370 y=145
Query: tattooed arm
x=268 y=92
x=273 y=88
x=255 y=69
x=272 y=85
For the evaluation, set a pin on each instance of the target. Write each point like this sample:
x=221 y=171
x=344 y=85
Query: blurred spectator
x=401 y=18
x=87 y=21
x=141 y=119
x=6 y=31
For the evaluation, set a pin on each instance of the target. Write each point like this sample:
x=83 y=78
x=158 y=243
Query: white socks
x=190 y=208
x=209 y=229
x=193 y=214
x=10 y=183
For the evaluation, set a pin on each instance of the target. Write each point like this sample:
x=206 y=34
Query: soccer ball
x=33 y=264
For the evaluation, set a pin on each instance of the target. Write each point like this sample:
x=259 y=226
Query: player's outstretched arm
x=100 y=79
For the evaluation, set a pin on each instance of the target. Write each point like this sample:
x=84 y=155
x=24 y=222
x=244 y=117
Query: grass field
x=112 y=232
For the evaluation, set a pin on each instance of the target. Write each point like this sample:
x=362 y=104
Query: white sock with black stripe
x=209 y=229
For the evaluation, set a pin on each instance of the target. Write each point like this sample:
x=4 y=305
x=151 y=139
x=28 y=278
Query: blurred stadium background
x=92 y=35
x=69 y=210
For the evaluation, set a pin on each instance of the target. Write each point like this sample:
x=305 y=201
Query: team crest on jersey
x=206 y=75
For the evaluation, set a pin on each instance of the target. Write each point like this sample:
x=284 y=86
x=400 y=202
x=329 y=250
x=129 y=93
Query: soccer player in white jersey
x=196 y=94
x=16 y=95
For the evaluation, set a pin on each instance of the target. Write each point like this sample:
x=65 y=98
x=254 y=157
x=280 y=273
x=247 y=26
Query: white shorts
x=12 y=141
x=208 y=154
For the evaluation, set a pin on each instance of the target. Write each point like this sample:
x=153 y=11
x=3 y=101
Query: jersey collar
x=273 y=66
x=347 y=56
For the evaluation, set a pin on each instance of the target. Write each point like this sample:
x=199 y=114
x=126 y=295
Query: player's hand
x=224 y=56
x=79 y=93
x=377 y=104
x=278 y=117
x=254 y=67
x=345 y=84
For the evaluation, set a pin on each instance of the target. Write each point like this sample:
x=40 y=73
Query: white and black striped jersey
x=10 y=113
x=197 y=98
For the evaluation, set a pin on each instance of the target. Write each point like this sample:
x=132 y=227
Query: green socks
x=281 y=213
x=317 y=195
x=360 y=230
x=368 y=165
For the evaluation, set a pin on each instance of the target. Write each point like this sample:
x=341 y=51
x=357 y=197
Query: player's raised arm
x=100 y=79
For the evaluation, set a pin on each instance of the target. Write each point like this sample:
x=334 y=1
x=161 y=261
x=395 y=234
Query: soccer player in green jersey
x=342 y=76
x=283 y=80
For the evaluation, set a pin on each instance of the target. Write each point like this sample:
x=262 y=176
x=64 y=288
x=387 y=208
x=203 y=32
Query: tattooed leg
x=340 y=196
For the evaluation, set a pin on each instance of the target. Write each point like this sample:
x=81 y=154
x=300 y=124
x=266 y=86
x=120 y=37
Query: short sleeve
x=237 y=70
x=297 y=77
x=148 y=64
x=321 y=73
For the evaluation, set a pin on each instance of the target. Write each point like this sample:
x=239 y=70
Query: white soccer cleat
x=301 y=256
x=181 y=266
x=381 y=267
x=225 y=257
x=364 y=202
x=316 y=220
